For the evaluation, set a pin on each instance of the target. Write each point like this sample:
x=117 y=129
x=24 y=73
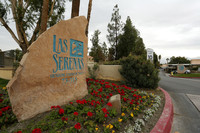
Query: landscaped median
x=191 y=75
x=93 y=113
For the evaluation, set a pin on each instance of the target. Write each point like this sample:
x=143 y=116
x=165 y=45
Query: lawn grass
x=187 y=75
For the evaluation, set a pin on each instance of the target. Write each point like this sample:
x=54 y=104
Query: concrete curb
x=165 y=121
x=185 y=77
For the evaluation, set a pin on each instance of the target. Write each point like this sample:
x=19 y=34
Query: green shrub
x=92 y=71
x=139 y=72
x=115 y=62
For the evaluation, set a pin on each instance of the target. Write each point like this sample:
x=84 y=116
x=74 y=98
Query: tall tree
x=130 y=42
x=44 y=18
x=96 y=50
x=139 y=48
x=179 y=60
x=114 y=29
x=75 y=8
x=27 y=16
x=111 y=54
x=159 y=57
x=167 y=60
x=105 y=50
x=155 y=60
x=88 y=16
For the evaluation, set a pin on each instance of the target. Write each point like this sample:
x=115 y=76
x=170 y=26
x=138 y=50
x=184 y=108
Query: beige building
x=195 y=61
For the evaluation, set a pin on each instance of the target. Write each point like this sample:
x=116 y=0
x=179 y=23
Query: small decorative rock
x=116 y=103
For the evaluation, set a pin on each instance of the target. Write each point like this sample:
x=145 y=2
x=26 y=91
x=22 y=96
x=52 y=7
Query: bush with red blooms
x=109 y=104
x=6 y=115
x=77 y=126
x=90 y=114
x=37 y=130
x=64 y=118
x=61 y=111
x=75 y=113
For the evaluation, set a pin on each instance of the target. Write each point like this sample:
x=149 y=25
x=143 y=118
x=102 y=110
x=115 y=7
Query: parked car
x=187 y=72
x=174 y=72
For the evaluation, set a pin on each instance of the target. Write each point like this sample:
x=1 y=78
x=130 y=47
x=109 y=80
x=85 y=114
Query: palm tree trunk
x=75 y=8
x=44 y=18
x=88 y=16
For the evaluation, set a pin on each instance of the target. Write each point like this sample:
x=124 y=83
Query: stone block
x=116 y=103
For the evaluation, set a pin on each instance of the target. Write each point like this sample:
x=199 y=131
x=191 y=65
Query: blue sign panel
x=181 y=68
x=76 y=48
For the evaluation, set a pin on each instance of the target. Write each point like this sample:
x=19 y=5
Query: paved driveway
x=185 y=94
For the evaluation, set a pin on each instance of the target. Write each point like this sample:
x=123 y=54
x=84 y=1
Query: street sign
x=150 y=54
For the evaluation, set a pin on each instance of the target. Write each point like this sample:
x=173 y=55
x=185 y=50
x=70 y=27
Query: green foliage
x=155 y=60
x=112 y=112
x=90 y=125
x=2 y=10
x=187 y=75
x=179 y=60
x=96 y=51
x=100 y=117
x=70 y=109
x=30 y=14
x=139 y=72
x=114 y=30
x=59 y=124
x=116 y=125
x=27 y=15
x=3 y=82
x=111 y=54
x=93 y=70
x=18 y=56
x=127 y=40
x=115 y=62
x=130 y=41
x=105 y=50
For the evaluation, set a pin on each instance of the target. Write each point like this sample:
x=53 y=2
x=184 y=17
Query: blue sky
x=169 y=27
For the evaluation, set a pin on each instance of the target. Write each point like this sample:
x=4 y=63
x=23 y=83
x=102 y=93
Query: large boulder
x=53 y=71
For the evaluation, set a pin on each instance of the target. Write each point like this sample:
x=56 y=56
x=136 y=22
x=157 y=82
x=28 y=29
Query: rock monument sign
x=53 y=71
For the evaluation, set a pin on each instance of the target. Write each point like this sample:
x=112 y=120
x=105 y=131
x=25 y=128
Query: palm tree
x=88 y=15
x=75 y=8
x=159 y=57
x=44 y=18
x=167 y=60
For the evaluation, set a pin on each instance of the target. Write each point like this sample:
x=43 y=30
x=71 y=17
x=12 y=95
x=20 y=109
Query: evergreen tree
x=155 y=60
x=111 y=52
x=105 y=50
x=139 y=48
x=96 y=50
x=114 y=30
x=159 y=57
x=130 y=42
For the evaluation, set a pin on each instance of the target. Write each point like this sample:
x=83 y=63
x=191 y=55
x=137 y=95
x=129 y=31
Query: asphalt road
x=186 y=114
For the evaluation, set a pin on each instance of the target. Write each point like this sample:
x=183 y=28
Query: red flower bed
x=93 y=111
